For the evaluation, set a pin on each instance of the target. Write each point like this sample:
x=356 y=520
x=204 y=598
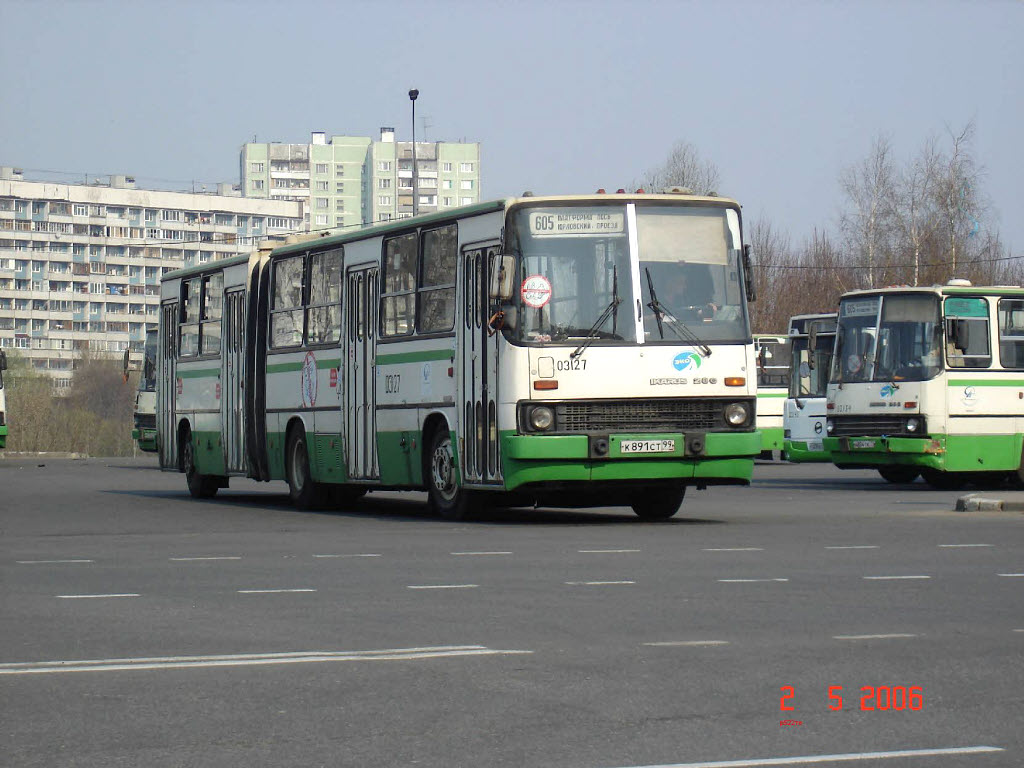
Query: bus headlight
x=913 y=425
x=830 y=426
x=542 y=418
x=736 y=414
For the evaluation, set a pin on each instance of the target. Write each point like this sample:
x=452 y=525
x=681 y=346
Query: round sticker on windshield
x=536 y=291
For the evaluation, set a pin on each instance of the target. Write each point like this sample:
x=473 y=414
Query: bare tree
x=913 y=206
x=957 y=194
x=683 y=168
x=770 y=254
x=868 y=188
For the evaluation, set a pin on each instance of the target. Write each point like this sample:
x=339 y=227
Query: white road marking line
x=49 y=562
x=849 y=756
x=442 y=586
x=735 y=549
x=858 y=546
x=686 y=643
x=190 y=559
x=604 y=551
x=892 y=578
x=247 y=659
x=1018 y=630
x=962 y=546
x=747 y=581
x=596 y=583
x=270 y=591
x=1011 y=575
x=470 y=554
x=366 y=555
x=870 y=637
x=87 y=597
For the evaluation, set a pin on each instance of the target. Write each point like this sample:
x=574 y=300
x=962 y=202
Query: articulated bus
x=144 y=430
x=522 y=351
x=773 y=356
x=929 y=381
x=811 y=339
x=3 y=401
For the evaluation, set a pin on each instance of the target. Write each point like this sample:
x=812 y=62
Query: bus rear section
x=811 y=340
x=3 y=401
x=929 y=382
x=144 y=424
x=773 y=363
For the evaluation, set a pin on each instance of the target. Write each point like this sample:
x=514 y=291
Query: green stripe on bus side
x=198 y=374
x=297 y=366
x=421 y=356
x=773 y=394
x=985 y=383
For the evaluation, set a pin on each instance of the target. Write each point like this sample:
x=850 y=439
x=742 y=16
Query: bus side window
x=188 y=331
x=323 y=315
x=1011 y=333
x=213 y=307
x=437 y=280
x=286 y=303
x=398 y=299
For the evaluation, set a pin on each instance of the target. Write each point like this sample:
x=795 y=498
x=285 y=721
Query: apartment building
x=80 y=264
x=351 y=181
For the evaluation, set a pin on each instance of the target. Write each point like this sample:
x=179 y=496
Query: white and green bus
x=773 y=357
x=565 y=351
x=3 y=401
x=144 y=427
x=929 y=381
x=811 y=339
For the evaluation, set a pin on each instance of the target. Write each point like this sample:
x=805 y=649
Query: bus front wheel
x=302 y=490
x=658 y=505
x=199 y=486
x=899 y=474
x=944 y=481
x=445 y=496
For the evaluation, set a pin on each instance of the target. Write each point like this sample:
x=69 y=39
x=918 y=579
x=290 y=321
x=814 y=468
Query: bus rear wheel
x=303 y=491
x=445 y=496
x=659 y=504
x=199 y=486
x=899 y=474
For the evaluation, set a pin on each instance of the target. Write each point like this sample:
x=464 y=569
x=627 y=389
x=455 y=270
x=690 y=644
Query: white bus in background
x=773 y=358
x=144 y=427
x=929 y=381
x=569 y=351
x=3 y=401
x=811 y=340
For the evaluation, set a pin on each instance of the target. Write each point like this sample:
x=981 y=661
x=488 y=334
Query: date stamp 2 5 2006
x=880 y=698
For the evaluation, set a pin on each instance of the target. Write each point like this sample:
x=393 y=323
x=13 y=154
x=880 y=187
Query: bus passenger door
x=479 y=460
x=232 y=377
x=360 y=372
x=166 y=386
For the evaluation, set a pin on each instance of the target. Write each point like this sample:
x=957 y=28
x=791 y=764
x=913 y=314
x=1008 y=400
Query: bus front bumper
x=870 y=451
x=723 y=458
x=805 y=451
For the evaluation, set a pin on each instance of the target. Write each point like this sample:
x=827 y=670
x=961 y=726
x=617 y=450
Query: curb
x=973 y=503
x=42 y=455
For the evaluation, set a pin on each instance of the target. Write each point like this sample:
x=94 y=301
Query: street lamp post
x=413 y=93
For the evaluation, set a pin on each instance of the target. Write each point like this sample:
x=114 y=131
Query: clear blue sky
x=563 y=96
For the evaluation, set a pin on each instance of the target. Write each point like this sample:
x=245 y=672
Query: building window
x=322 y=168
x=172 y=216
x=465 y=167
x=446 y=167
x=446 y=184
x=466 y=184
x=339 y=170
x=256 y=167
x=384 y=200
x=322 y=202
x=467 y=201
x=321 y=186
x=321 y=219
x=448 y=201
x=339 y=188
x=384 y=165
x=276 y=222
x=339 y=205
x=257 y=183
x=81 y=210
x=383 y=183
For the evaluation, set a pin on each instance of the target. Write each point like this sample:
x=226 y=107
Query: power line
x=883 y=267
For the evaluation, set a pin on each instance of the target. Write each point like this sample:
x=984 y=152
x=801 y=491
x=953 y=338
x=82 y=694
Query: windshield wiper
x=611 y=309
x=677 y=326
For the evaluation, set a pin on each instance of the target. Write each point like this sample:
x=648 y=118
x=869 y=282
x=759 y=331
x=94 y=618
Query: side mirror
x=3 y=360
x=124 y=365
x=959 y=334
x=502 y=274
x=748 y=274
x=812 y=339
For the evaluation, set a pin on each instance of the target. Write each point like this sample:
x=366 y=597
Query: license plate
x=863 y=443
x=647 y=446
x=815 y=445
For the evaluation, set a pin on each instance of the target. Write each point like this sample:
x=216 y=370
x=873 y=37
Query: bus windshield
x=147 y=379
x=891 y=337
x=578 y=267
x=809 y=369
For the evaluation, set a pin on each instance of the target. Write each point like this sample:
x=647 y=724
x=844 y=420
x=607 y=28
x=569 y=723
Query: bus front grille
x=646 y=416
x=853 y=426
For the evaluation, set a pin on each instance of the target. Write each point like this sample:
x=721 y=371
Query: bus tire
x=346 y=494
x=899 y=474
x=944 y=481
x=658 y=505
x=199 y=486
x=444 y=495
x=303 y=491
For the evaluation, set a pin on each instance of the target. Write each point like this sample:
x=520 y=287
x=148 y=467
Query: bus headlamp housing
x=737 y=414
x=915 y=425
x=541 y=418
x=830 y=426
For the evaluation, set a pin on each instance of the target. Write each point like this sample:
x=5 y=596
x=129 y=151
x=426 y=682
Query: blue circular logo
x=685 y=360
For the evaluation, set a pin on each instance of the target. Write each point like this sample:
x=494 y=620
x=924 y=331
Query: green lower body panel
x=400 y=458
x=797 y=451
x=146 y=438
x=209 y=453
x=566 y=458
x=946 y=453
x=3 y=437
x=772 y=439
